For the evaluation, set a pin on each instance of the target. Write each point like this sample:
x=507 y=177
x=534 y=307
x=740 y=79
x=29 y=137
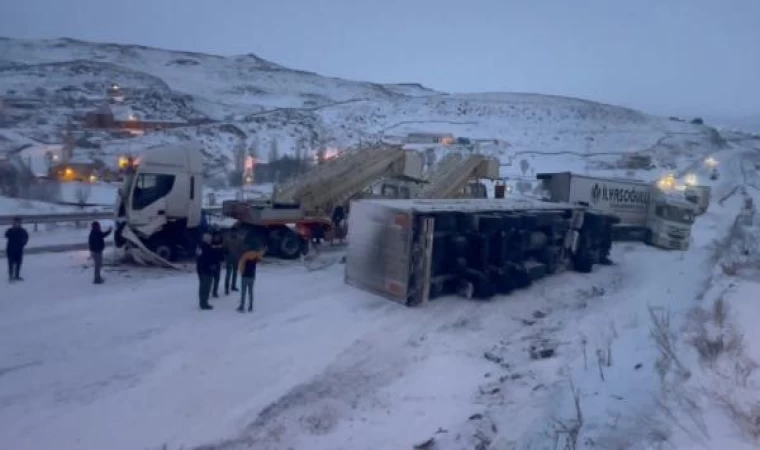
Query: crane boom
x=334 y=182
x=452 y=175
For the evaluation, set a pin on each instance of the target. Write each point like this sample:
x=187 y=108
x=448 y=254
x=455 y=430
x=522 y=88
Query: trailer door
x=379 y=255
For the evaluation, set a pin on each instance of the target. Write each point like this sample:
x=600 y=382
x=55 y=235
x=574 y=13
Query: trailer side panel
x=628 y=200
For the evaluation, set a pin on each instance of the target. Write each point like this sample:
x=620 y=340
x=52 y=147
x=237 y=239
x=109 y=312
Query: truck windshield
x=149 y=188
x=675 y=213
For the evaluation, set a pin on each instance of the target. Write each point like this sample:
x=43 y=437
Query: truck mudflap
x=135 y=249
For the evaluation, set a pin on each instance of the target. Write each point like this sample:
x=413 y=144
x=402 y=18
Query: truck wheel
x=118 y=235
x=163 y=249
x=482 y=287
x=290 y=245
x=521 y=278
x=550 y=257
x=583 y=263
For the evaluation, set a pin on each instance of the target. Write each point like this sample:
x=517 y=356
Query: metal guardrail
x=73 y=217
x=57 y=217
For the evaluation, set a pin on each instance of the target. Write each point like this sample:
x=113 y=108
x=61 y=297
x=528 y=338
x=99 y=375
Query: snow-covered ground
x=319 y=365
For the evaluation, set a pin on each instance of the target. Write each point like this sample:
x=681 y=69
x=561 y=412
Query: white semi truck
x=657 y=215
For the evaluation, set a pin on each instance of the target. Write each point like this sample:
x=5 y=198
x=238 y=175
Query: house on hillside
x=14 y=108
x=123 y=117
x=82 y=169
x=429 y=138
x=100 y=118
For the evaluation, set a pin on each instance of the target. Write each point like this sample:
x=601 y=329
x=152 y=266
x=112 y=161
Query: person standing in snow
x=97 y=244
x=231 y=259
x=206 y=265
x=218 y=246
x=247 y=266
x=17 y=238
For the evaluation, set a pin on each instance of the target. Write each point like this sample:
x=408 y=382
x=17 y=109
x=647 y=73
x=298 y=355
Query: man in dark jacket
x=231 y=260
x=218 y=246
x=206 y=265
x=17 y=238
x=97 y=243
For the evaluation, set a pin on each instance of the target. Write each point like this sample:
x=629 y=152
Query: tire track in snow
x=351 y=382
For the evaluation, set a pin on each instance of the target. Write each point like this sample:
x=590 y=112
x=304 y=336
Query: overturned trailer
x=411 y=251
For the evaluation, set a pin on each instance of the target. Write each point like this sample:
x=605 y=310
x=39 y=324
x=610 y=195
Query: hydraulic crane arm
x=334 y=182
x=452 y=176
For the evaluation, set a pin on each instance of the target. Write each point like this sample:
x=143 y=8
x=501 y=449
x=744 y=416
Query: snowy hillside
x=251 y=100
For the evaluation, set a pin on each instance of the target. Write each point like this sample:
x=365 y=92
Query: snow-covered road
x=133 y=364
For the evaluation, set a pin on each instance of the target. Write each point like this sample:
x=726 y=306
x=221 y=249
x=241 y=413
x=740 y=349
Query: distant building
x=100 y=118
x=83 y=169
x=16 y=102
x=13 y=108
x=430 y=138
x=115 y=93
x=122 y=117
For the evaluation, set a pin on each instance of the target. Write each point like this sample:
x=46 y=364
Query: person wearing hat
x=17 y=238
x=97 y=243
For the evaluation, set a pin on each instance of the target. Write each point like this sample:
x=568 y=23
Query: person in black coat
x=17 y=238
x=206 y=265
x=97 y=243
x=217 y=244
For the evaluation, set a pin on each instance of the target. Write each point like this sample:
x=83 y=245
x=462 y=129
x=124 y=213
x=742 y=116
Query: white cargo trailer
x=659 y=217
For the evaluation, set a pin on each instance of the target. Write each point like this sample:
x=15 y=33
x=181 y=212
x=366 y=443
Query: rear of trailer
x=411 y=251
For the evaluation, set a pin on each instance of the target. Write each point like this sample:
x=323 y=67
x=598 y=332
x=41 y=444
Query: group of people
x=215 y=251
x=212 y=253
x=17 y=237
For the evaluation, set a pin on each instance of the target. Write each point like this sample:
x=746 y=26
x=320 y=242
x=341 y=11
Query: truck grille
x=677 y=233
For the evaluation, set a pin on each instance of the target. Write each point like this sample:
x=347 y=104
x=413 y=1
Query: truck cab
x=700 y=196
x=669 y=220
x=159 y=204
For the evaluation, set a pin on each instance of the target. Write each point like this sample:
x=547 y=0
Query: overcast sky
x=699 y=57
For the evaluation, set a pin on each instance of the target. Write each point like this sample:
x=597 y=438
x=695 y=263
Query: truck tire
x=163 y=249
x=118 y=235
x=583 y=262
x=520 y=277
x=551 y=258
x=482 y=286
x=290 y=245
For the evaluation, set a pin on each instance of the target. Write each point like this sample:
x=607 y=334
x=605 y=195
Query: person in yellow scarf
x=247 y=269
